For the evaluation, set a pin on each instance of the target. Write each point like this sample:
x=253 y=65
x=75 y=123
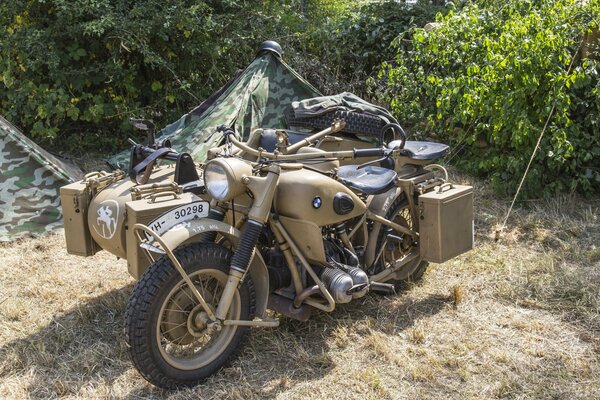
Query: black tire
x=413 y=271
x=161 y=287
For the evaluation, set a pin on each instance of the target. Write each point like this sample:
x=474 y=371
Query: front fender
x=191 y=231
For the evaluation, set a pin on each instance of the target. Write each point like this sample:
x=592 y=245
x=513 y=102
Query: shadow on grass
x=83 y=351
x=81 y=347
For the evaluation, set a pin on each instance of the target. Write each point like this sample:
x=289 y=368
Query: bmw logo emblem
x=317 y=202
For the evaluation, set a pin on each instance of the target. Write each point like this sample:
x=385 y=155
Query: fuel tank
x=311 y=196
x=106 y=212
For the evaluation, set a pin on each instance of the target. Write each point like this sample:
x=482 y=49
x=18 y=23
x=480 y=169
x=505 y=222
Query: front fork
x=263 y=190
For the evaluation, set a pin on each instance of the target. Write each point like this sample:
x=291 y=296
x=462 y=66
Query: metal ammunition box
x=446 y=222
x=75 y=199
x=145 y=211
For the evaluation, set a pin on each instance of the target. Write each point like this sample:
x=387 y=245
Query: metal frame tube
x=228 y=293
x=259 y=323
x=289 y=258
x=358 y=225
x=179 y=268
x=308 y=268
x=371 y=215
x=335 y=127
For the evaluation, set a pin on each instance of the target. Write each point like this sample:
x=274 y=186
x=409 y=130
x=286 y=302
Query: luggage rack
x=357 y=123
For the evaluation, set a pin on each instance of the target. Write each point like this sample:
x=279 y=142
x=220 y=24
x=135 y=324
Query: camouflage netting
x=30 y=179
x=256 y=98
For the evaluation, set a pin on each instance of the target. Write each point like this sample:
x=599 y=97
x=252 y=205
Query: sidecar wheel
x=165 y=329
x=399 y=212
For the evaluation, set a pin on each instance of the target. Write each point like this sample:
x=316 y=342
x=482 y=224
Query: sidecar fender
x=191 y=231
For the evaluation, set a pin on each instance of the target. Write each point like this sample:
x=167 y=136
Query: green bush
x=486 y=78
x=348 y=43
x=73 y=71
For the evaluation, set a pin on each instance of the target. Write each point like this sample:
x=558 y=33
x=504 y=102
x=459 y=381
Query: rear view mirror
x=144 y=125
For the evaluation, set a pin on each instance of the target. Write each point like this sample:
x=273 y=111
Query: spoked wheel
x=397 y=245
x=170 y=337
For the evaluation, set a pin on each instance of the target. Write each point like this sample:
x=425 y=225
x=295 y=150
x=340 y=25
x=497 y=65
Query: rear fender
x=191 y=231
x=379 y=204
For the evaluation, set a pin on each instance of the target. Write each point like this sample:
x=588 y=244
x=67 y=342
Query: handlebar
x=356 y=153
x=398 y=130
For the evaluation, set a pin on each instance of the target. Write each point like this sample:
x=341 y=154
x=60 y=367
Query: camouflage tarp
x=29 y=182
x=255 y=98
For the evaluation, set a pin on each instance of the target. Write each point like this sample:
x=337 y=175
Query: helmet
x=272 y=46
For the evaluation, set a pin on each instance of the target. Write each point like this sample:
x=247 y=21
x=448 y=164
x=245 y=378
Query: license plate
x=179 y=215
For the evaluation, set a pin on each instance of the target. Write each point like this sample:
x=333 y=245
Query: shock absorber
x=263 y=190
x=239 y=264
x=243 y=253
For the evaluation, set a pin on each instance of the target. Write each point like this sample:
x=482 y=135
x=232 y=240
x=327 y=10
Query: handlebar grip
x=380 y=152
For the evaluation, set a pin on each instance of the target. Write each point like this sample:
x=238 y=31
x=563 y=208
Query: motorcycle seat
x=422 y=151
x=367 y=180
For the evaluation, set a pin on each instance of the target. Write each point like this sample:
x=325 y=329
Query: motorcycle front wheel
x=165 y=325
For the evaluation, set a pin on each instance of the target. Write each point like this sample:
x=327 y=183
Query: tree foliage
x=73 y=71
x=486 y=78
x=349 y=40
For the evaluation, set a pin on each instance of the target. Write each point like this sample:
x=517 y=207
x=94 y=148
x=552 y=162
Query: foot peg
x=382 y=288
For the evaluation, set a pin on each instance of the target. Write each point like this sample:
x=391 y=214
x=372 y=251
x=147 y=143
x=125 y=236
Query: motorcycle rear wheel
x=399 y=213
x=166 y=343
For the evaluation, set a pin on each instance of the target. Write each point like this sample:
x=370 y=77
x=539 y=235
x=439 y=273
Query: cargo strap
x=147 y=164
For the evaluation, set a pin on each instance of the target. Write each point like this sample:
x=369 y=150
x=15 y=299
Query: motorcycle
x=289 y=230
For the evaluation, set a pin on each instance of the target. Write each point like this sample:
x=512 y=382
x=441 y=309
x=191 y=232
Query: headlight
x=215 y=179
x=223 y=177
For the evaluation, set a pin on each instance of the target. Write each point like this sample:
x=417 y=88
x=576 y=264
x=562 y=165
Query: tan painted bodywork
x=336 y=143
x=297 y=190
x=263 y=191
x=113 y=198
x=145 y=211
x=308 y=237
x=321 y=166
x=446 y=222
x=75 y=199
x=235 y=170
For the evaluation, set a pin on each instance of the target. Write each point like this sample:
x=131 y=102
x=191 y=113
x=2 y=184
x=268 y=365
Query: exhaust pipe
x=383 y=288
x=286 y=307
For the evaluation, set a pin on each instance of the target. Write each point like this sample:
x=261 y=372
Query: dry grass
x=514 y=318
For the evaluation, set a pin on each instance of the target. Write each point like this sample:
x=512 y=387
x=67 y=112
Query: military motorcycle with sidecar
x=276 y=223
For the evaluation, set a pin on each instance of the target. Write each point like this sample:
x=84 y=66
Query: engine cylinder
x=339 y=283
x=359 y=277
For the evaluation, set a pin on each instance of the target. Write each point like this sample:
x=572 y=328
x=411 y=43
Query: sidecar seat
x=419 y=153
x=367 y=180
